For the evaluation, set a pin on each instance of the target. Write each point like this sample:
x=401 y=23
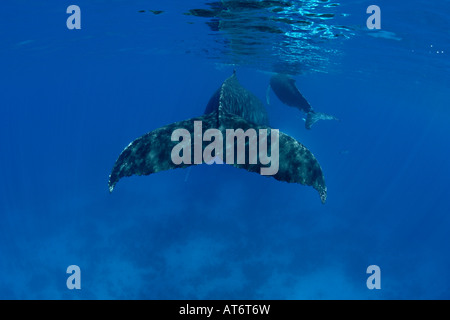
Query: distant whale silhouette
x=285 y=89
x=231 y=107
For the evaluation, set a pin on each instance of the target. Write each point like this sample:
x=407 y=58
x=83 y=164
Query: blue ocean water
x=71 y=100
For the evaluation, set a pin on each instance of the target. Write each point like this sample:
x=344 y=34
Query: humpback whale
x=285 y=89
x=230 y=107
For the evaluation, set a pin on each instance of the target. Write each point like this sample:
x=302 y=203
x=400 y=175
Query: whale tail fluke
x=312 y=117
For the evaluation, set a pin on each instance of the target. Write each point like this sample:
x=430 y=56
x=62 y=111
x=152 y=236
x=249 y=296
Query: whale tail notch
x=312 y=117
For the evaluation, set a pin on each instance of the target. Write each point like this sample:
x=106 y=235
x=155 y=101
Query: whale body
x=285 y=89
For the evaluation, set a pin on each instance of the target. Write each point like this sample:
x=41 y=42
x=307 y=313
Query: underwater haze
x=72 y=99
